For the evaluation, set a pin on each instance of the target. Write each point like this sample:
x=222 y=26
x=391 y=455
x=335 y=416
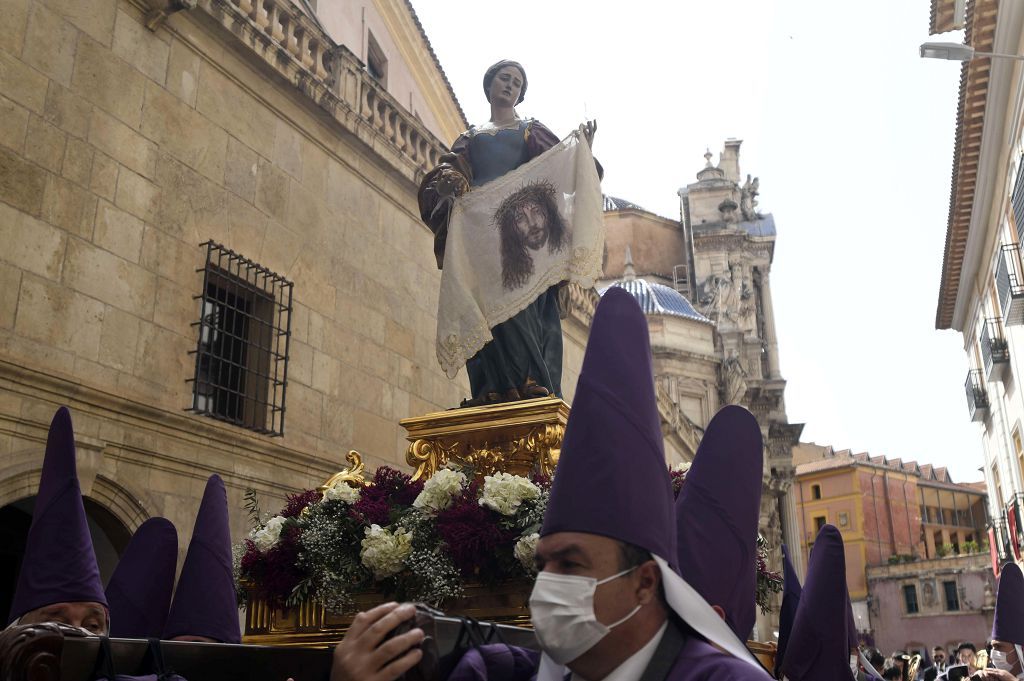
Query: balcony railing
x=977 y=397
x=1010 y=284
x=297 y=49
x=995 y=352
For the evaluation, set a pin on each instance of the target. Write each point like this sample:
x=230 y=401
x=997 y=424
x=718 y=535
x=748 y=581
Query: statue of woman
x=524 y=358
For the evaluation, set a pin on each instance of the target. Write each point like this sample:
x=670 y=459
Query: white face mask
x=562 y=612
x=1000 y=661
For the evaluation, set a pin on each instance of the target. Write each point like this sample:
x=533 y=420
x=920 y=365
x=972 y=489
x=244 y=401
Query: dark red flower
x=471 y=533
x=371 y=509
x=678 y=478
x=276 y=573
x=298 y=502
x=390 y=488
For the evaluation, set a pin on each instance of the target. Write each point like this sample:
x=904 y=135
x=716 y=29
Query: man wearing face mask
x=607 y=605
x=1007 y=628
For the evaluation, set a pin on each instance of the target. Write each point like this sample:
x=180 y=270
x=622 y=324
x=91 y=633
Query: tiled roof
x=659 y=299
x=612 y=203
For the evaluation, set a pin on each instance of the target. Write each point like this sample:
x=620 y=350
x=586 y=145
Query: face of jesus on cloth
x=86 y=615
x=531 y=220
x=580 y=554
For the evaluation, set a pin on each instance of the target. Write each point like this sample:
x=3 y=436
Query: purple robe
x=695 y=660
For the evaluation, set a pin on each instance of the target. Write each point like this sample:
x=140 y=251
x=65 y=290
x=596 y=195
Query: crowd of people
x=938 y=664
x=631 y=584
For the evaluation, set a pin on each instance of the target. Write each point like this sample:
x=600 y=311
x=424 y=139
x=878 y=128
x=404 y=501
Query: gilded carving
x=354 y=475
x=518 y=438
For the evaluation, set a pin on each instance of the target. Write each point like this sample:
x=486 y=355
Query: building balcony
x=977 y=396
x=995 y=352
x=1010 y=284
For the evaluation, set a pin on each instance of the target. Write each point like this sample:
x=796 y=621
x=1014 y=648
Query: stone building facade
x=981 y=291
x=721 y=348
x=134 y=132
x=901 y=521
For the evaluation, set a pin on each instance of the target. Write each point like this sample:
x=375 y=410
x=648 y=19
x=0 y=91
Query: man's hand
x=993 y=675
x=589 y=130
x=362 y=657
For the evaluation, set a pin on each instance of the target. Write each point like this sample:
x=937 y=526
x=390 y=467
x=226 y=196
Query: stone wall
x=121 y=151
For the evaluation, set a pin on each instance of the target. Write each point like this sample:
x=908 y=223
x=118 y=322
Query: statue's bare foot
x=532 y=389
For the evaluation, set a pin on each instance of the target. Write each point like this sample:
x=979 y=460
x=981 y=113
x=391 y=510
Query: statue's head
x=506 y=75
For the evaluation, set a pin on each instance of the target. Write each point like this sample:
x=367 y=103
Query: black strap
x=156 y=658
x=104 y=668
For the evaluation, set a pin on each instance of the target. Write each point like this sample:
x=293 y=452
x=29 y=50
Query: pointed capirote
x=819 y=644
x=205 y=602
x=613 y=442
x=139 y=591
x=790 y=601
x=1008 y=623
x=59 y=565
x=717 y=515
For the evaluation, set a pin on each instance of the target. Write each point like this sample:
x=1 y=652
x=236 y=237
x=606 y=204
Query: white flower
x=269 y=535
x=384 y=552
x=439 y=489
x=504 y=492
x=341 y=491
x=682 y=467
x=525 y=550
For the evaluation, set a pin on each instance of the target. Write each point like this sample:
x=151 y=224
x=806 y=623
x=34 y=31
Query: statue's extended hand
x=589 y=130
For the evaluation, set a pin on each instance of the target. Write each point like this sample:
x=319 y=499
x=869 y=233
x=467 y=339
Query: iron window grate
x=243 y=337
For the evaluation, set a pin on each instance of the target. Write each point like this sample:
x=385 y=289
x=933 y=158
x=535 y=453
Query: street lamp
x=959 y=52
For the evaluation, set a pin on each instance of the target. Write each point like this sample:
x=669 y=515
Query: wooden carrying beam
x=53 y=652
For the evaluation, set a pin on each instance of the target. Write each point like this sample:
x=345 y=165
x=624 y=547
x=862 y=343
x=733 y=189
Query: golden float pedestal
x=514 y=437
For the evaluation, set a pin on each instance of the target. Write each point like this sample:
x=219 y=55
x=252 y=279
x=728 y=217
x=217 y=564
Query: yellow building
x=890 y=512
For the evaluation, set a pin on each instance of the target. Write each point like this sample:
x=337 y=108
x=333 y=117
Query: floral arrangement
x=411 y=540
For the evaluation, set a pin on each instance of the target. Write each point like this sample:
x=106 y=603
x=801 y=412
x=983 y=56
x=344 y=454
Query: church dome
x=658 y=299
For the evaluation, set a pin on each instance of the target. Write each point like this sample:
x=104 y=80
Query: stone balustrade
x=331 y=75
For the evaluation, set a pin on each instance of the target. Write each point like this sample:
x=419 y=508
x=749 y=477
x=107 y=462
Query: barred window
x=241 y=353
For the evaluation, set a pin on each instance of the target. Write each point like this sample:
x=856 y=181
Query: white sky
x=851 y=134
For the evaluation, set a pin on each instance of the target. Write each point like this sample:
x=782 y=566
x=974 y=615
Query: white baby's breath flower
x=384 y=552
x=439 y=490
x=504 y=492
x=525 y=550
x=341 y=491
x=266 y=537
x=681 y=467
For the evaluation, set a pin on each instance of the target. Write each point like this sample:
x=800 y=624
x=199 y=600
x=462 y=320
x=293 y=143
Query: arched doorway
x=109 y=538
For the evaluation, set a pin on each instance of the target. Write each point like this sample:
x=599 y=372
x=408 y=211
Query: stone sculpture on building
x=722 y=349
